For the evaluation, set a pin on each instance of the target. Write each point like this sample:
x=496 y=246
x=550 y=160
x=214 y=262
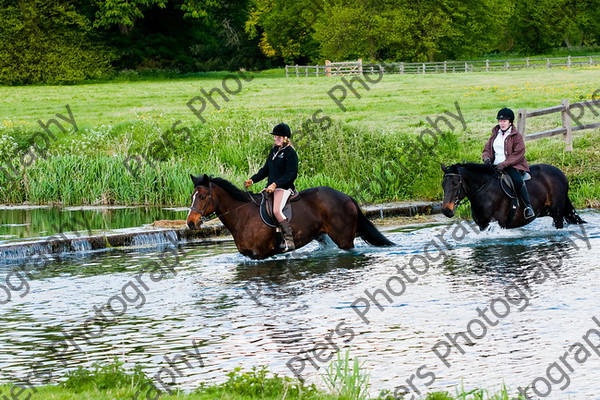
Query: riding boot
x=528 y=212
x=288 y=236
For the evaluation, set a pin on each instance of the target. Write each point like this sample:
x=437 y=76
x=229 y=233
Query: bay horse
x=320 y=210
x=480 y=184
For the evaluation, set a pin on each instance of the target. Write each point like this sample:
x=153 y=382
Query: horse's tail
x=368 y=231
x=571 y=215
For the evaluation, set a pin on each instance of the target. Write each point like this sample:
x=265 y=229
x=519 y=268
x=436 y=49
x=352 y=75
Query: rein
x=216 y=214
x=458 y=202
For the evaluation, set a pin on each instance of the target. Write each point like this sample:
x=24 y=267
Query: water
x=293 y=310
x=21 y=222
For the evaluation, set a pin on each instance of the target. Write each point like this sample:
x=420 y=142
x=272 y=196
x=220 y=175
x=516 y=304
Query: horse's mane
x=475 y=167
x=235 y=192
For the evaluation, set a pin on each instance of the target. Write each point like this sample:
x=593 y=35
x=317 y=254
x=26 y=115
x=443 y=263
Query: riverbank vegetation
x=138 y=142
x=344 y=379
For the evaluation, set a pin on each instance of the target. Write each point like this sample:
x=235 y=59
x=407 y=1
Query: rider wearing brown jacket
x=506 y=150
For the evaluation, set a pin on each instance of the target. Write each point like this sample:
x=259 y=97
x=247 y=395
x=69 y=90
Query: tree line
x=71 y=40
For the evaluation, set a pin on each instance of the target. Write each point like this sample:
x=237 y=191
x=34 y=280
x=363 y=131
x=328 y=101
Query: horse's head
x=203 y=203
x=453 y=189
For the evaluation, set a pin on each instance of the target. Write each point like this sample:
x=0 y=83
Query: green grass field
x=357 y=153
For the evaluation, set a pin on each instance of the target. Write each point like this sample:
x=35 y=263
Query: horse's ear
x=444 y=168
x=197 y=180
x=205 y=180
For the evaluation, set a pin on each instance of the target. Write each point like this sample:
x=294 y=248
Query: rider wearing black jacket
x=281 y=169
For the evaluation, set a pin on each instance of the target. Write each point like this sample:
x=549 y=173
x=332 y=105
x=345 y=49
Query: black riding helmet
x=282 y=130
x=506 y=113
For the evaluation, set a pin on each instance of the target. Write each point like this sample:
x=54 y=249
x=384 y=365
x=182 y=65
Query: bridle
x=210 y=198
x=458 y=202
x=215 y=214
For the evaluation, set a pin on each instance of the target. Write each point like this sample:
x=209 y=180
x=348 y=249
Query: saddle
x=507 y=184
x=266 y=208
x=508 y=188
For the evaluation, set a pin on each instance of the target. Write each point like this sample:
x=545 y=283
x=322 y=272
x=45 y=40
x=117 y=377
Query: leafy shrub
x=107 y=376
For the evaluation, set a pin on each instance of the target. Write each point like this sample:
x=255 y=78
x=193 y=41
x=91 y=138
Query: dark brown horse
x=320 y=210
x=548 y=190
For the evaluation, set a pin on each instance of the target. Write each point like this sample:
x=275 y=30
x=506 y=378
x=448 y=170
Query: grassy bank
x=126 y=149
x=344 y=380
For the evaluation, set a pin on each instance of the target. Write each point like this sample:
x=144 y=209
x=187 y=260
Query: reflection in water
x=19 y=223
x=247 y=313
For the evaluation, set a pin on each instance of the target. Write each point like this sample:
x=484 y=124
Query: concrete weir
x=78 y=243
x=162 y=233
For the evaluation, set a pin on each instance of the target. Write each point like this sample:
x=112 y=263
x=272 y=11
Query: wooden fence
x=442 y=67
x=567 y=126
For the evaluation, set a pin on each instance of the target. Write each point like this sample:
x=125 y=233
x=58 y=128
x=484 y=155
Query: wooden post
x=286 y=72
x=317 y=72
x=487 y=65
x=360 y=69
x=466 y=67
x=548 y=63
x=522 y=121
x=297 y=71
x=527 y=62
x=402 y=68
x=445 y=65
x=591 y=63
x=506 y=66
x=306 y=72
x=327 y=68
x=423 y=67
x=569 y=61
x=566 y=121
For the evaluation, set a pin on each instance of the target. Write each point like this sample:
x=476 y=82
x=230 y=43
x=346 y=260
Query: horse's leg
x=556 y=212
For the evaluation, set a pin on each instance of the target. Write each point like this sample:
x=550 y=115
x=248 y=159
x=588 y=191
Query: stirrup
x=528 y=212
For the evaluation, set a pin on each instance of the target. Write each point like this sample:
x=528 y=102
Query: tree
x=374 y=30
x=47 y=41
x=285 y=28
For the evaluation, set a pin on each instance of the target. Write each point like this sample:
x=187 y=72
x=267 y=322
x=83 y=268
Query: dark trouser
x=520 y=187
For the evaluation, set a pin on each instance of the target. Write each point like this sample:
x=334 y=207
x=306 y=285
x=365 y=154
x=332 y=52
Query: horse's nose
x=448 y=212
x=191 y=225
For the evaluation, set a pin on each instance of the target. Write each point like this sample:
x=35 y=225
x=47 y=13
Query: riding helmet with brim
x=282 y=130
x=506 y=113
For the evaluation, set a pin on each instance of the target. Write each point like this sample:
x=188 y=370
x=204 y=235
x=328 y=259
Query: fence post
x=548 y=63
x=569 y=61
x=506 y=66
x=402 y=68
x=306 y=72
x=487 y=65
x=360 y=66
x=527 y=62
x=286 y=72
x=317 y=72
x=522 y=121
x=591 y=62
x=466 y=67
x=297 y=71
x=445 y=65
x=423 y=67
x=327 y=68
x=566 y=121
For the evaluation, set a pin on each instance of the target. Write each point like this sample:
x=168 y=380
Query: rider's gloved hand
x=487 y=160
x=500 y=167
x=248 y=183
x=271 y=188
